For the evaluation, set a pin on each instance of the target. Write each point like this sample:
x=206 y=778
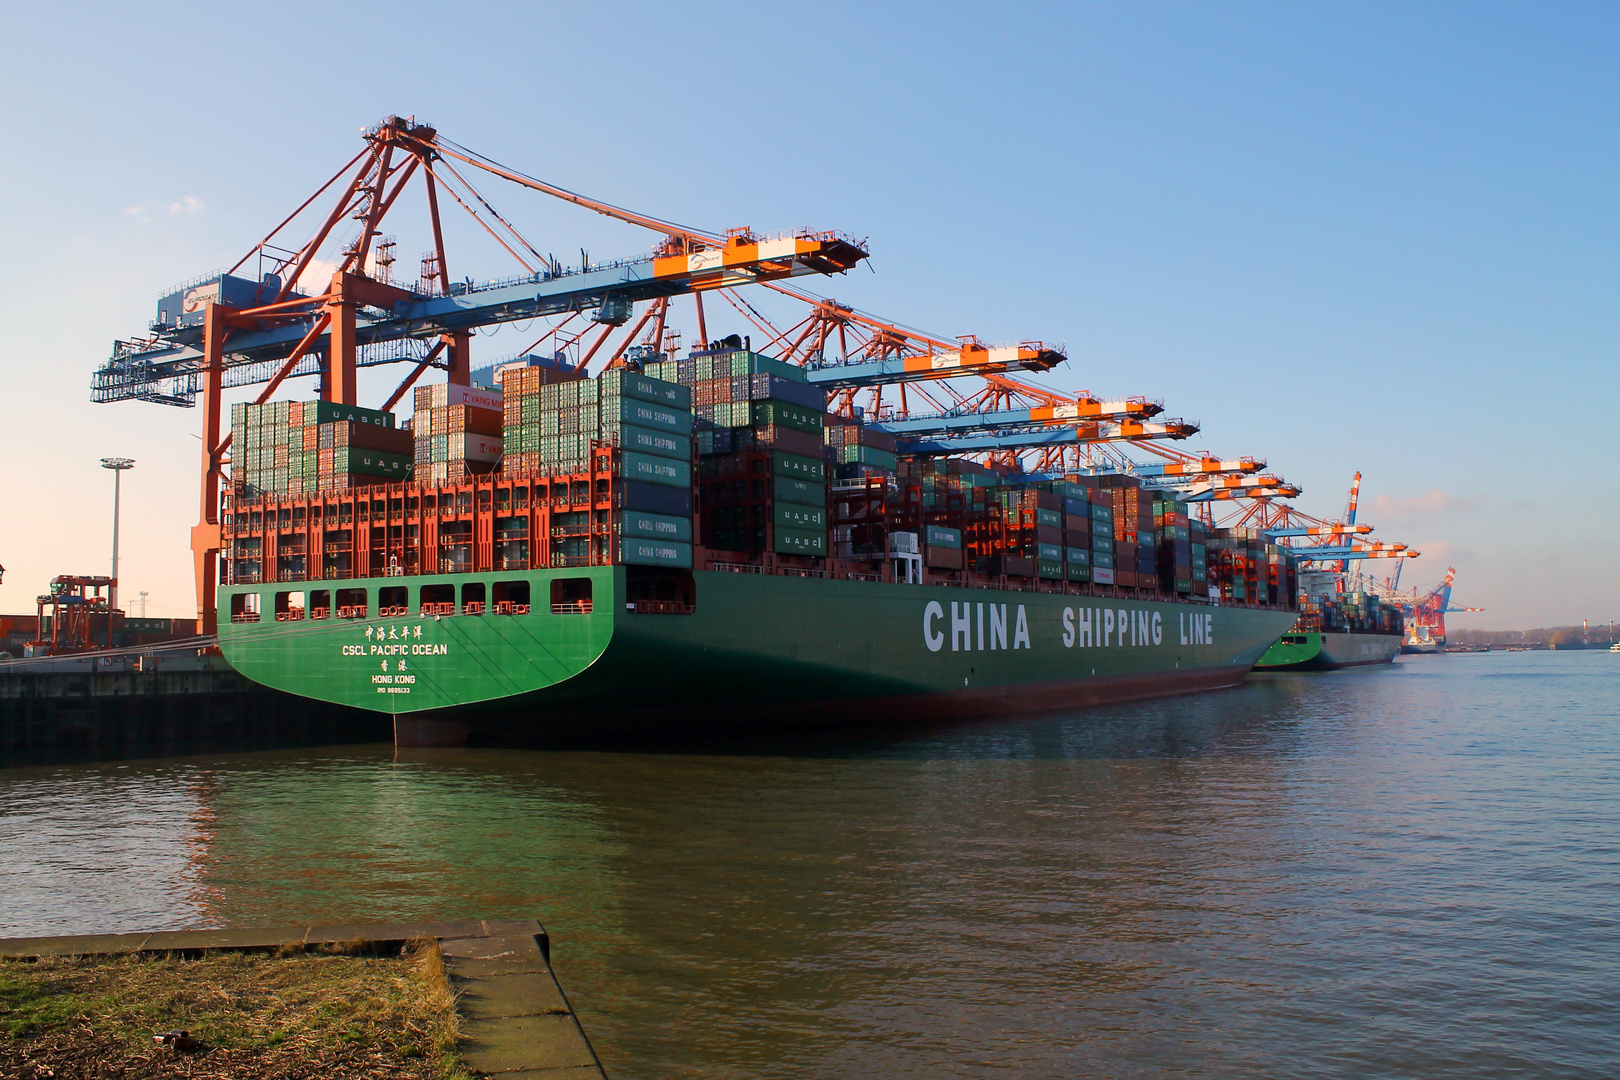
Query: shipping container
x=641 y=551
x=654 y=526
x=656 y=443
x=656 y=470
x=799 y=541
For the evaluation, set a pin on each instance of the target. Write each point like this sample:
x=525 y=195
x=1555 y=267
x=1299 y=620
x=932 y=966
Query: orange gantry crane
x=329 y=305
x=238 y=329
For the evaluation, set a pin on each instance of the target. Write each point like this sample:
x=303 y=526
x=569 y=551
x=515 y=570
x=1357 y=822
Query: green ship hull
x=755 y=651
x=1314 y=651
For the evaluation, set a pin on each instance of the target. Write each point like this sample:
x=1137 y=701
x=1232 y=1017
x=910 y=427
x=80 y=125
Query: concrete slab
x=522 y=994
x=76 y=945
x=464 y=968
x=526 y=1043
x=191 y=940
x=492 y=948
x=512 y=927
x=394 y=931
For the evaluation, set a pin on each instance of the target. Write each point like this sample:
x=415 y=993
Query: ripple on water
x=1407 y=871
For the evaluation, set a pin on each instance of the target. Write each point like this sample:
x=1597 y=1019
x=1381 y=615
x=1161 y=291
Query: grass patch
x=333 y=1013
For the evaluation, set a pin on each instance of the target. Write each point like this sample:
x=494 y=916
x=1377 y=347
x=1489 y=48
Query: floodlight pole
x=118 y=465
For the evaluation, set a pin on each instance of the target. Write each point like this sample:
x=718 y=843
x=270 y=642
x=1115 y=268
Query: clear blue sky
x=1356 y=236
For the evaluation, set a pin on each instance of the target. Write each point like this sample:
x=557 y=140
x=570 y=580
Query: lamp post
x=117 y=465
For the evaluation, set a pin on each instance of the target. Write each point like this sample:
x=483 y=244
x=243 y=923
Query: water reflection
x=1313 y=876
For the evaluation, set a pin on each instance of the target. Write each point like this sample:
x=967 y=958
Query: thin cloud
x=1429 y=504
x=187 y=206
x=1440 y=553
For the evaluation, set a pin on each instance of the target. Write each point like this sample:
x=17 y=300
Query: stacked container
x=1078 y=532
x=458 y=432
x=555 y=422
x=857 y=450
x=303 y=447
x=1135 y=560
x=1242 y=566
x=761 y=451
x=1173 y=531
x=1199 y=557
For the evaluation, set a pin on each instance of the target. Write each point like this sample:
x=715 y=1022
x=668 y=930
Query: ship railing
x=473 y=607
x=855 y=575
x=799 y=571
x=572 y=607
x=447 y=607
x=245 y=617
x=353 y=611
x=320 y=613
x=290 y=615
x=507 y=607
x=736 y=567
x=659 y=607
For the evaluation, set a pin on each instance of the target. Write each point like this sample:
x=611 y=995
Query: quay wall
x=119 y=706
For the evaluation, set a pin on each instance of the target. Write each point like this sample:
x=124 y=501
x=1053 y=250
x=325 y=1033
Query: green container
x=655 y=470
x=798 y=417
x=1052 y=518
x=621 y=382
x=1078 y=557
x=1099 y=512
x=800 y=491
x=657 y=443
x=1102 y=542
x=350 y=459
x=793 y=516
x=941 y=537
x=798 y=466
x=330 y=412
x=1048 y=569
x=1079 y=573
x=620 y=411
x=799 y=541
x=870 y=456
x=640 y=551
x=1103 y=559
x=635 y=523
x=1049 y=553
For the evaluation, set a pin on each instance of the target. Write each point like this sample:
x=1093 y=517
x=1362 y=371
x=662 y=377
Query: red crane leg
x=339 y=384
x=205 y=537
x=460 y=350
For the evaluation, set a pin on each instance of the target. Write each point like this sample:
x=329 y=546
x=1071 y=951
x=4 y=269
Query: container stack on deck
x=762 y=469
x=725 y=457
x=557 y=421
x=1182 y=549
x=458 y=432
x=298 y=447
x=1243 y=567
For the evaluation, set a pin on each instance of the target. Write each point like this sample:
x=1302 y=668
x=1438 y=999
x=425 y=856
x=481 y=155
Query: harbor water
x=1405 y=871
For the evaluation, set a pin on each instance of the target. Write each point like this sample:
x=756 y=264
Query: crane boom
x=1129 y=431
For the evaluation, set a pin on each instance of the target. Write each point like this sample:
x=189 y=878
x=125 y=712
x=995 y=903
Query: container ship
x=599 y=537
x=1336 y=630
x=580 y=555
